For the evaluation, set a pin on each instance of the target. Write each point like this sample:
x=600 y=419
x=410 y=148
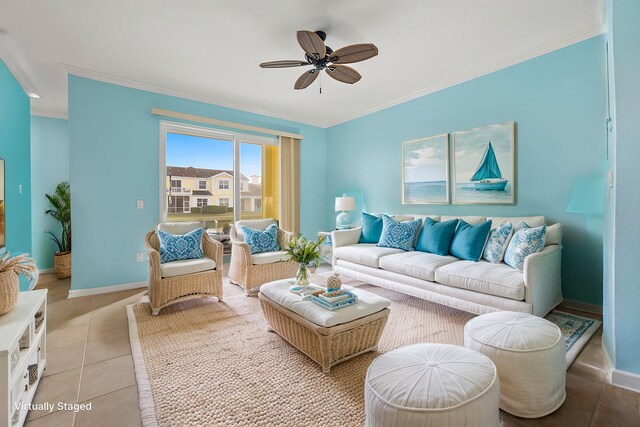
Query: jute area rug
x=202 y=363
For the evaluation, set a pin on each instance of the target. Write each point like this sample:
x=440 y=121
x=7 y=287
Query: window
x=223 y=201
x=258 y=205
x=243 y=186
x=202 y=185
x=223 y=184
x=176 y=184
x=202 y=202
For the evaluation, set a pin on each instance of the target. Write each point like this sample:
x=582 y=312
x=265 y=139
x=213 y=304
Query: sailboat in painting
x=488 y=176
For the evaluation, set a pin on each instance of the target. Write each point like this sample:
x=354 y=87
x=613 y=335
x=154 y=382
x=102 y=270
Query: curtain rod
x=223 y=123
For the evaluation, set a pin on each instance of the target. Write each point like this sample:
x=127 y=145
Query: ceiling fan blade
x=311 y=43
x=343 y=74
x=354 y=53
x=283 y=64
x=306 y=79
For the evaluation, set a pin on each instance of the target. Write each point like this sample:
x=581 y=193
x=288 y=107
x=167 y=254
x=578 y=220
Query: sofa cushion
x=493 y=279
x=554 y=235
x=421 y=265
x=371 y=228
x=364 y=254
x=436 y=236
x=399 y=234
x=473 y=220
x=189 y=266
x=531 y=221
x=269 y=257
x=470 y=240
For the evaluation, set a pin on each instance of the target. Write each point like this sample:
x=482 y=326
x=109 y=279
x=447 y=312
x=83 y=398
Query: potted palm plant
x=305 y=252
x=60 y=210
x=10 y=269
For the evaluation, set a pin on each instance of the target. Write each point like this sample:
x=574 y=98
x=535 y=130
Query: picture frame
x=425 y=170
x=484 y=167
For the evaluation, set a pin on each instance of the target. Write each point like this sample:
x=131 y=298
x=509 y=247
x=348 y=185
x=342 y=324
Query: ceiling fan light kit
x=322 y=57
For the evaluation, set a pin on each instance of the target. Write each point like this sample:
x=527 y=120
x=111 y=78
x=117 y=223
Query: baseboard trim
x=618 y=378
x=76 y=293
x=582 y=306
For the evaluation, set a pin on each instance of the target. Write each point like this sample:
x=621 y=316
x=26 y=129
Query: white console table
x=22 y=356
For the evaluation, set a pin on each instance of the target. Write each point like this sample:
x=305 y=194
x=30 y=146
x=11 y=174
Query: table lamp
x=344 y=204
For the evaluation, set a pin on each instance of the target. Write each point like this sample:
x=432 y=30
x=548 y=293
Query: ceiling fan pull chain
x=320 y=84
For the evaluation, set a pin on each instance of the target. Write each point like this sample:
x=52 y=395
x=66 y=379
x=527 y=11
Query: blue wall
x=14 y=149
x=558 y=102
x=622 y=283
x=114 y=161
x=49 y=166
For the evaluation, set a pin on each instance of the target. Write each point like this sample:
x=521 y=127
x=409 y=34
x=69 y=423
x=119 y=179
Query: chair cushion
x=371 y=228
x=179 y=227
x=524 y=242
x=269 y=257
x=421 y=265
x=174 y=247
x=189 y=266
x=364 y=254
x=469 y=241
x=493 y=279
x=399 y=234
x=261 y=241
x=256 y=224
x=436 y=236
x=497 y=244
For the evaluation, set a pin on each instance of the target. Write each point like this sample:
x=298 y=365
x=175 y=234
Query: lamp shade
x=345 y=203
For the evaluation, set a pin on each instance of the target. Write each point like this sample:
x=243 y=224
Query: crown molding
x=559 y=43
x=49 y=114
x=149 y=87
x=10 y=59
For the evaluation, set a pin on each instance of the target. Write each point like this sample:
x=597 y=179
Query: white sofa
x=476 y=287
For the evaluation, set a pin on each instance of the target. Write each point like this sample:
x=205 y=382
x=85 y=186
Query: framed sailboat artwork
x=425 y=170
x=484 y=165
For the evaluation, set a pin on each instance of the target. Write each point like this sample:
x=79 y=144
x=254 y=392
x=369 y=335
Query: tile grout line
x=84 y=355
x=593 y=414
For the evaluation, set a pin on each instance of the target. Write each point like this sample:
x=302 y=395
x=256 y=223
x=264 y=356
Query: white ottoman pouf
x=432 y=385
x=529 y=353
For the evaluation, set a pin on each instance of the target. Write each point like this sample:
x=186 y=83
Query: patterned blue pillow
x=399 y=235
x=524 y=242
x=175 y=247
x=261 y=241
x=497 y=243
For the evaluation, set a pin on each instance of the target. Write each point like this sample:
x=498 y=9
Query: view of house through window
x=200 y=178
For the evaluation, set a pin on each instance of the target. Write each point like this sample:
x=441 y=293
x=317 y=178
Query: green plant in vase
x=305 y=252
x=60 y=210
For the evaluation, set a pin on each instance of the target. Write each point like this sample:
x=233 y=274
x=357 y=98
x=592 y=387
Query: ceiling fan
x=322 y=57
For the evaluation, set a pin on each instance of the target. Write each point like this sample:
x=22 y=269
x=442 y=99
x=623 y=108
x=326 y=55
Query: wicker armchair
x=168 y=287
x=250 y=271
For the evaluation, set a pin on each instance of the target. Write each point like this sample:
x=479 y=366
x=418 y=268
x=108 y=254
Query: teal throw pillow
x=469 y=240
x=371 y=228
x=436 y=236
x=399 y=235
x=524 y=242
x=261 y=241
x=175 y=247
x=497 y=243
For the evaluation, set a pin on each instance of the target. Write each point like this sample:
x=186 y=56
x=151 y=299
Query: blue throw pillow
x=175 y=247
x=497 y=243
x=524 y=242
x=469 y=240
x=436 y=236
x=261 y=241
x=371 y=228
x=399 y=235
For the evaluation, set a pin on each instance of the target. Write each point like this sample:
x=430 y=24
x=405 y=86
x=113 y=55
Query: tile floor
x=89 y=360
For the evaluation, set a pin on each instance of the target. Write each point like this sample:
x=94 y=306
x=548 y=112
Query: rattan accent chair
x=177 y=281
x=250 y=271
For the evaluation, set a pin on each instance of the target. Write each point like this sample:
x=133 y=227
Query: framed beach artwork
x=425 y=170
x=484 y=165
x=3 y=237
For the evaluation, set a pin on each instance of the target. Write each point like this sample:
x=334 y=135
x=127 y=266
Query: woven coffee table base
x=326 y=346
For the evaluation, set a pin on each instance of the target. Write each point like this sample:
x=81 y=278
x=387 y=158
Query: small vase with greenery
x=305 y=252
x=60 y=210
x=10 y=269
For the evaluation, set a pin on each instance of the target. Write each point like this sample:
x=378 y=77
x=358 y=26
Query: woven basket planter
x=9 y=288
x=62 y=264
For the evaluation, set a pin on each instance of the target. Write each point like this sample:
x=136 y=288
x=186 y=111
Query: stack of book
x=335 y=300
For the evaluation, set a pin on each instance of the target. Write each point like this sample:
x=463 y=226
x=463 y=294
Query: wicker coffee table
x=327 y=337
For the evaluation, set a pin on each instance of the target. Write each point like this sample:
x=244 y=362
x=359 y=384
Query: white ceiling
x=210 y=49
